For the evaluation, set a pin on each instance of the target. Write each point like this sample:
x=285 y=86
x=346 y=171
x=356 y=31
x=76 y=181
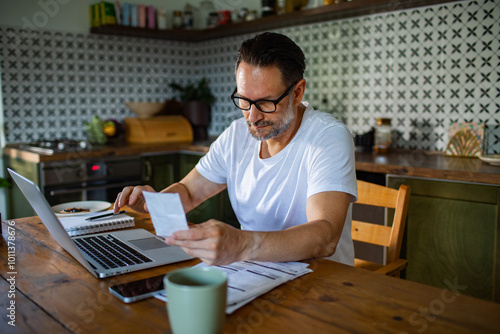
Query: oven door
x=90 y=180
x=94 y=191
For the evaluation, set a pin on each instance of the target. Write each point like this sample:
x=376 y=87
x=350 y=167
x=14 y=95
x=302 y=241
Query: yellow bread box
x=158 y=129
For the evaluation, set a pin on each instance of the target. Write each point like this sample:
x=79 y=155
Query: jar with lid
x=213 y=20
x=251 y=15
x=162 y=18
x=268 y=7
x=206 y=8
x=177 y=19
x=188 y=19
x=383 y=135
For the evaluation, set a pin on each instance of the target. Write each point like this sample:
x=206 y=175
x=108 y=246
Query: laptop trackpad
x=148 y=243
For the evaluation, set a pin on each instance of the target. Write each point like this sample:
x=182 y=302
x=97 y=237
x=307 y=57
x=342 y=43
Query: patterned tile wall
x=424 y=68
x=54 y=82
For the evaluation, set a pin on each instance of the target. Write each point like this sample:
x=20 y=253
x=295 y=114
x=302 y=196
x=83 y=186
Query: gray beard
x=276 y=129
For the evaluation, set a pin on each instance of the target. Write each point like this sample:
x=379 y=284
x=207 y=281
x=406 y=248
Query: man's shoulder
x=319 y=122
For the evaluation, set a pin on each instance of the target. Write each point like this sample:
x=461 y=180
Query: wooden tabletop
x=52 y=293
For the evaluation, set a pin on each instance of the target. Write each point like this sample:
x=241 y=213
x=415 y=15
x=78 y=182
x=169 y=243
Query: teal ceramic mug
x=196 y=300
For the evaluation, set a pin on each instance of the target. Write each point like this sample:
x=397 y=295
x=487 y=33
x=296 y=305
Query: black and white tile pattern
x=424 y=68
x=55 y=82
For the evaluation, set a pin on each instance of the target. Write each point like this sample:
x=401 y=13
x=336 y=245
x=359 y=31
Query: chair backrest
x=391 y=237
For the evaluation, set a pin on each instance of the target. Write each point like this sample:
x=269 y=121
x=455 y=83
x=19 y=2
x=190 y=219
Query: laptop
x=103 y=254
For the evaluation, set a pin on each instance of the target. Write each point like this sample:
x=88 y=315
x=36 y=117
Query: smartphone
x=138 y=290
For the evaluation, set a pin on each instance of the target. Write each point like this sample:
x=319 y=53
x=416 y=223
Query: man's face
x=257 y=83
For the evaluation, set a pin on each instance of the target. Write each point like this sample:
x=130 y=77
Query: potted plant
x=197 y=100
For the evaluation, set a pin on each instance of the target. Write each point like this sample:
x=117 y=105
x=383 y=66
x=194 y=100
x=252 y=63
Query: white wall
x=73 y=15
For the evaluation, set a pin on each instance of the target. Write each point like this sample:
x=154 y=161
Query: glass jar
x=213 y=20
x=177 y=19
x=188 y=19
x=268 y=7
x=383 y=135
x=206 y=8
x=251 y=15
x=162 y=18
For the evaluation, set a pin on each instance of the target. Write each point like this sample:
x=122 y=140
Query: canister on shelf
x=383 y=135
x=188 y=19
x=162 y=18
x=268 y=7
x=177 y=19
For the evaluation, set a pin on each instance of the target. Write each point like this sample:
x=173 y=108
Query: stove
x=50 y=147
x=71 y=176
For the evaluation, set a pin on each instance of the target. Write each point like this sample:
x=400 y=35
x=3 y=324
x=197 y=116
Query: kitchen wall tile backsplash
x=424 y=68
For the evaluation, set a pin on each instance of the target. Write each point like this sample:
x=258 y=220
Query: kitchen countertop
x=416 y=163
x=427 y=164
x=14 y=151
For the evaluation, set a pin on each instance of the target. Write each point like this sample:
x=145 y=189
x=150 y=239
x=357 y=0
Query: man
x=289 y=169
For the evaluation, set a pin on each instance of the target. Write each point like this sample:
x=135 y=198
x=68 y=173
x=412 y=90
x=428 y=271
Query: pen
x=105 y=215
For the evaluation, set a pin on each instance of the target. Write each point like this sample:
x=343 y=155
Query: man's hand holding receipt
x=166 y=212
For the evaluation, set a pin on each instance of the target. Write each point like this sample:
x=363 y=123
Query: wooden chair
x=390 y=237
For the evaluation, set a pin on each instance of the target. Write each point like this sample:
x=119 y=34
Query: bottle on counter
x=383 y=135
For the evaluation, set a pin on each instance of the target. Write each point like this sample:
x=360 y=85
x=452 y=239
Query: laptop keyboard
x=110 y=252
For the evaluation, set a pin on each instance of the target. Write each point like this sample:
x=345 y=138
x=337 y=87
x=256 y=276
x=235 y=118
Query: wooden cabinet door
x=452 y=235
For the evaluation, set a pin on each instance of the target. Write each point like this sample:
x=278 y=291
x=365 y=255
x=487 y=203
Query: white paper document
x=167 y=212
x=247 y=280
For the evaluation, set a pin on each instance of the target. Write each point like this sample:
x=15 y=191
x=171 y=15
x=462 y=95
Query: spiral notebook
x=77 y=225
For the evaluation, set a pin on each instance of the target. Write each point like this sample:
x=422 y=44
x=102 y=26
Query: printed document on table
x=246 y=280
x=167 y=212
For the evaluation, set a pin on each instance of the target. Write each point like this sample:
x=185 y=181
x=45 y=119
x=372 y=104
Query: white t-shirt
x=270 y=194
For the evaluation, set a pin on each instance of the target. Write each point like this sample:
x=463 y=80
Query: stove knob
x=60 y=146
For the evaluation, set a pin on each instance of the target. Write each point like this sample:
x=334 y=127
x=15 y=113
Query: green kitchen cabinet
x=452 y=235
x=18 y=206
x=160 y=171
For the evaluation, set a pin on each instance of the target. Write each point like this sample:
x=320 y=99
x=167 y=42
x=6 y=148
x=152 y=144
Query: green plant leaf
x=191 y=92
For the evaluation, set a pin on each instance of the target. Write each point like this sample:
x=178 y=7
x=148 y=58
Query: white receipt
x=167 y=212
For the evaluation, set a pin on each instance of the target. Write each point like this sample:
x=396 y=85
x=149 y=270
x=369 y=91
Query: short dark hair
x=273 y=49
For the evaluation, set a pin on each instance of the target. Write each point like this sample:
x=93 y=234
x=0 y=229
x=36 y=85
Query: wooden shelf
x=314 y=15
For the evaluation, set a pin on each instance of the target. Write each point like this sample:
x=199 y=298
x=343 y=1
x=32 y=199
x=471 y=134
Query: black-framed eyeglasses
x=267 y=106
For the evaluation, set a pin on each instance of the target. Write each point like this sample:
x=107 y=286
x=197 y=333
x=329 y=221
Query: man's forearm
x=313 y=239
x=183 y=191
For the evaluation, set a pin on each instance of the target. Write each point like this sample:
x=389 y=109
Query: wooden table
x=55 y=294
